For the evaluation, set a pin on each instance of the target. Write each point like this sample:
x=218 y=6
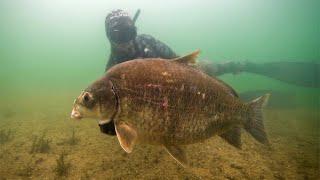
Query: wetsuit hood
x=120 y=28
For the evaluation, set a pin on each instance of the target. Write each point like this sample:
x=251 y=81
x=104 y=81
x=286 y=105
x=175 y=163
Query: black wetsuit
x=143 y=46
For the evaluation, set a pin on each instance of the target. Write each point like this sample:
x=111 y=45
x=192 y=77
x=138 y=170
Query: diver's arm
x=148 y=46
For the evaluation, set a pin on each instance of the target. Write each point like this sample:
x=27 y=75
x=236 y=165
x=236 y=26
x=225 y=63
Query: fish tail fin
x=254 y=124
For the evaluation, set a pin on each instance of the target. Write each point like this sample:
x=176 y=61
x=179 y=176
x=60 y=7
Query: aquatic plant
x=62 y=167
x=40 y=144
x=73 y=140
x=6 y=135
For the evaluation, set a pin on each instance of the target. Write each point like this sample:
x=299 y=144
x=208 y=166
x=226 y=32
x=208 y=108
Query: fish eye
x=86 y=97
x=88 y=100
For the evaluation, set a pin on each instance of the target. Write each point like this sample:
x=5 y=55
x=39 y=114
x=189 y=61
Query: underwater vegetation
x=40 y=144
x=72 y=140
x=96 y=156
x=6 y=135
x=62 y=167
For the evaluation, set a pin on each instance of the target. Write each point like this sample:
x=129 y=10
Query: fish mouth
x=104 y=121
x=108 y=128
x=75 y=114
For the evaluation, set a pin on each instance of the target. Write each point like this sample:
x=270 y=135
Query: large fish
x=169 y=103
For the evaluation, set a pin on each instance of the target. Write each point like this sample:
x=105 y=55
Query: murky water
x=51 y=50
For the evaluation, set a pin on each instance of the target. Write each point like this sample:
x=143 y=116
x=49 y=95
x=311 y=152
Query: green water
x=51 y=50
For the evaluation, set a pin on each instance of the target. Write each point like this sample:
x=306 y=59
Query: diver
x=126 y=45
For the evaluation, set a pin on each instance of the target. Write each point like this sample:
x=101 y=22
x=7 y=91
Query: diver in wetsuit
x=127 y=45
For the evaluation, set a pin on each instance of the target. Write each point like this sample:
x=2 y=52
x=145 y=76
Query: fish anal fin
x=233 y=137
x=178 y=153
x=127 y=136
x=188 y=59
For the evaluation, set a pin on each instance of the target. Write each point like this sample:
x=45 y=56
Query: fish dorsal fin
x=233 y=137
x=178 y=154
x=188 y=59
x=127 y=136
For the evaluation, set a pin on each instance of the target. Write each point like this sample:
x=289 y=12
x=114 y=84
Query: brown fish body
x=173 y=103
x=169 y=103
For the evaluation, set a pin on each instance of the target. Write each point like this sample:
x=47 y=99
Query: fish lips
x=75 y=114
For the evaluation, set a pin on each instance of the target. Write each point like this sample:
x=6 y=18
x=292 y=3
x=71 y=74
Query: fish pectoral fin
x=188 y=59
x=233 y=137
x=178 y=154
x=127 y=136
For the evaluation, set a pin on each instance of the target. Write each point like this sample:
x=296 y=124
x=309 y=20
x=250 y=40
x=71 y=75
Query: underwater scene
x=199 y=89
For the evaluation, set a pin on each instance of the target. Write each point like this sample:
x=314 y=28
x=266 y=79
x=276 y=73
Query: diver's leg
x=217 y=69
x=299 y=73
